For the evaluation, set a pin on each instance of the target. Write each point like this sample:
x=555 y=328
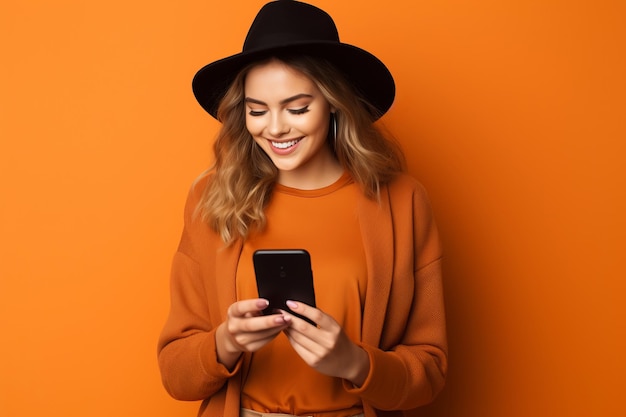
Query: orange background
x=511 y=113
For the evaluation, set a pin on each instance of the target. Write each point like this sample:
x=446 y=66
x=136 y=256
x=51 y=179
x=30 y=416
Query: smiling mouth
x=285 y=145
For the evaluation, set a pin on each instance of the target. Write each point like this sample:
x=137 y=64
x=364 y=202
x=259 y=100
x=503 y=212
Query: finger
x=302 y=340
x=324 y=335
x=312 y=313
x=247 y=338
x=253 y=333
x=305 y=347
x=257 y=323
x=308 y=341
x=250 y=307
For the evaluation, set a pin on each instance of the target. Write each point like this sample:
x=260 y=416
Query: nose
x=277 y=125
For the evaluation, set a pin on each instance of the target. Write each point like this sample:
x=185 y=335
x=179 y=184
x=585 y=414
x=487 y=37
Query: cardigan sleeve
x=186 y=348
x=410 y=371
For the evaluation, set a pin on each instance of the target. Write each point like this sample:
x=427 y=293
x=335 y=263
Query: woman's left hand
x=326 y=347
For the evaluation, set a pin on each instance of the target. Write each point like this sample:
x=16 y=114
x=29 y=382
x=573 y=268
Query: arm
x=201 y=346
x=409 y=364
x=197 y=359
x=187 y=352
x=406 y=376
x=411 y=373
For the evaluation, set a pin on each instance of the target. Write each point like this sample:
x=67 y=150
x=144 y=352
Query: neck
x=322 y=173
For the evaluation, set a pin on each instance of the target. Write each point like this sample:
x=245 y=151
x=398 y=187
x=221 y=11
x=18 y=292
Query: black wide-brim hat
x=287 y=26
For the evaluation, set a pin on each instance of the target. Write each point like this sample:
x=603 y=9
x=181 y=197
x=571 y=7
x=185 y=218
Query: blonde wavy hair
x=241 y=180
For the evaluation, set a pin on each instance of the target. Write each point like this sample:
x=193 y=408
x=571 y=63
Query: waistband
x=244 y=412
x=251 y=413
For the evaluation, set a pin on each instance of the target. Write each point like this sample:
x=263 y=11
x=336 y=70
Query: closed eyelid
x=299 y=110
x=258 y=109
x=255 y=107
x=297 y=105
x=253 y=112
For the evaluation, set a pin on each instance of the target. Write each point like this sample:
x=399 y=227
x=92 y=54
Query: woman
x=300 y=164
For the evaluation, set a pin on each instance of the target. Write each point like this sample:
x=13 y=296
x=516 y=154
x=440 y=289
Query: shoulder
x=195 y=195
x=408 y=198
x=198 y=187
x=404 y=184
x=201 y=182
x=198 y=235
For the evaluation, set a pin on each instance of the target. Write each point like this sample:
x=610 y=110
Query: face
x=288 y=117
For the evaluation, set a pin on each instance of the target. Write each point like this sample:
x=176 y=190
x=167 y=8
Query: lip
x=284 y=151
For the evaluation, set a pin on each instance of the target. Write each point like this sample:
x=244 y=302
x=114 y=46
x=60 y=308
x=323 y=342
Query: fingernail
x=262 y=303
x=292 y=304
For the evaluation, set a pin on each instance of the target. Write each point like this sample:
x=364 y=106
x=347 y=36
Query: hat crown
x=293 y=27
x=286 y=22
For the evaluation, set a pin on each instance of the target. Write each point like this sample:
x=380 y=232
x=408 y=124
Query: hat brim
x=367 y=74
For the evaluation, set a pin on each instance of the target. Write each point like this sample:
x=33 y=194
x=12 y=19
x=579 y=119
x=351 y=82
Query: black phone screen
x=284 y=274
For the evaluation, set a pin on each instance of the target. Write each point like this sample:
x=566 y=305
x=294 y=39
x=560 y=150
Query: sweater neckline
x=342 y=181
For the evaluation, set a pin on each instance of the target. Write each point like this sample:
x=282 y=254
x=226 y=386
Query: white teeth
x=285 y=145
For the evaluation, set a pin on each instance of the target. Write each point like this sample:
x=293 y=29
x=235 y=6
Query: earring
x=333 y=122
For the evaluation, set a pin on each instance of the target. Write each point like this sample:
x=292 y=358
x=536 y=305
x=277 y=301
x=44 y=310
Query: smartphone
x=284 y=274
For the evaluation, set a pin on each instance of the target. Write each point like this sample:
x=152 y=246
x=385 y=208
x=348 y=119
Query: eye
x=299 y=111
x=256 y=113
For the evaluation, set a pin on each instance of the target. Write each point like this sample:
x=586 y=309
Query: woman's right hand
x=246 y=329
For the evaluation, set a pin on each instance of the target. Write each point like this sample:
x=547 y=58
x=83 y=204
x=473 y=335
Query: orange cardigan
x=403 y=318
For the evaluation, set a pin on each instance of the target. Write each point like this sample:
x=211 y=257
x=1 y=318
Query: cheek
x=321 y=125
x=257 y=139
x=253 y=125
x=315 y=125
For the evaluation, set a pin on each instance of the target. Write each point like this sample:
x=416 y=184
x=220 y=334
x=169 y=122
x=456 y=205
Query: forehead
x=275 y=78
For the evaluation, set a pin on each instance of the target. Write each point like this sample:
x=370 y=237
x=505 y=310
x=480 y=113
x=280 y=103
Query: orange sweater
x=324 y=222
x=403 y=326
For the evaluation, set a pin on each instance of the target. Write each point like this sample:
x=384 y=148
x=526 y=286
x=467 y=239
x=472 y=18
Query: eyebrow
x=282 y=102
